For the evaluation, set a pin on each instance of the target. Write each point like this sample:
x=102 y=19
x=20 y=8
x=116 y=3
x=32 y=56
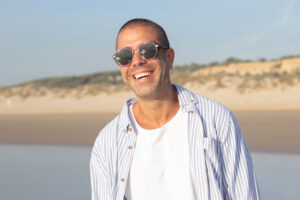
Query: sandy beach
x=266 y=131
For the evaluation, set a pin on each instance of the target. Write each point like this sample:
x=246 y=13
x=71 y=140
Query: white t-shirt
x=161 y=164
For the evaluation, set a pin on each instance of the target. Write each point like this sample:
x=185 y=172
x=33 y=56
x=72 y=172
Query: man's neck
x=155 y=112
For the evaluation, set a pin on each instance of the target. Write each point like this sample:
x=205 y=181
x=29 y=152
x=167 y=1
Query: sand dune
x=286 y=65
x=273 y=85
x=275 y=99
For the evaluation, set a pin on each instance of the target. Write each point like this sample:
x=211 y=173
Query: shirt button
x=129 y=129
x=124 y=130
x=129 y=147
x=122 y=179
x=192 y=100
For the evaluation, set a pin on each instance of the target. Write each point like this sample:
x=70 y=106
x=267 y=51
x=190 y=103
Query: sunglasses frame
x=157 y=46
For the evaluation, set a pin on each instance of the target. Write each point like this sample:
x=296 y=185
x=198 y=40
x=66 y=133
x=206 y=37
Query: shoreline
x=264 y=131
x=90 y=146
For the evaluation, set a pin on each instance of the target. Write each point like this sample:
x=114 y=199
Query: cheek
x=163 y=62
x=163 y=67
x=124 y=75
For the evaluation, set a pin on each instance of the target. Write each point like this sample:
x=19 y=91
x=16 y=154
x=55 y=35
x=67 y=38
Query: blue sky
x=70 y=37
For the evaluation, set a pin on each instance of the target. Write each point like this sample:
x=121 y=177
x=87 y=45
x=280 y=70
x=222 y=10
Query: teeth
x=142 y=75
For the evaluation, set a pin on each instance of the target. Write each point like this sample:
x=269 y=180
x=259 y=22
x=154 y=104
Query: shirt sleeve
x=239 y=178
x=100 y=187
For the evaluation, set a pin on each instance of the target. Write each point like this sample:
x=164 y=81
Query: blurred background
x=59 y=85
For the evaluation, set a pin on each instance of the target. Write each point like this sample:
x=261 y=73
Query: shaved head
x=162 y=36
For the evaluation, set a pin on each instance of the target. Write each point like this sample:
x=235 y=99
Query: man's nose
x=137 y=60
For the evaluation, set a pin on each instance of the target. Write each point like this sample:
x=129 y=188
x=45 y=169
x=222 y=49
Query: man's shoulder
x=120 y=122
x=203 y=103
x=112 y=125
x=213 y=114
x=108 y=132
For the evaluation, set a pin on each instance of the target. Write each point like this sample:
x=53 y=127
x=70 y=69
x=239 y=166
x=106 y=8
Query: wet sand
x=267 y=131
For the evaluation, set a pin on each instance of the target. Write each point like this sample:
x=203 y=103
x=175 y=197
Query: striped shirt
x=221 y=165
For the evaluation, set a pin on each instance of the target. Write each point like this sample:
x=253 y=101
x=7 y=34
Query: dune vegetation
x=243 y=75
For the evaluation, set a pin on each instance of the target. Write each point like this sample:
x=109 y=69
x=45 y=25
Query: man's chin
x=145 y=92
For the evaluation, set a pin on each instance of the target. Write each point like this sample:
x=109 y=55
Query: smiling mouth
x=142 y=75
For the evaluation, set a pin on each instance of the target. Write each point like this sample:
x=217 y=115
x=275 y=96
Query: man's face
x=156 y=69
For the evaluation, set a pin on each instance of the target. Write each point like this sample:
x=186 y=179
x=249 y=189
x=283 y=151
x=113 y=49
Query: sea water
x=34 y=172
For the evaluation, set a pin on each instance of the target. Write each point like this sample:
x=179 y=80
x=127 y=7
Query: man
x=167 y=143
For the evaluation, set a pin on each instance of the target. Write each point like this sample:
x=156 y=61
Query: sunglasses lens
x=148 y=50
x=123 y=57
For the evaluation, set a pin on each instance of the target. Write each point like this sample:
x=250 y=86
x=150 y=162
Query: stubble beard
x=152 y=91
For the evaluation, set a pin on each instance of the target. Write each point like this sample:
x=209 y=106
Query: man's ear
x=170 y=57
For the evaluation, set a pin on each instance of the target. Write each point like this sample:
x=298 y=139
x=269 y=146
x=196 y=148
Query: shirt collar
x=185 y=97
x=187 y=101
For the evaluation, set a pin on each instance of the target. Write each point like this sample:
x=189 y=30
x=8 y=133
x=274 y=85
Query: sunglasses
x=146 y=50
